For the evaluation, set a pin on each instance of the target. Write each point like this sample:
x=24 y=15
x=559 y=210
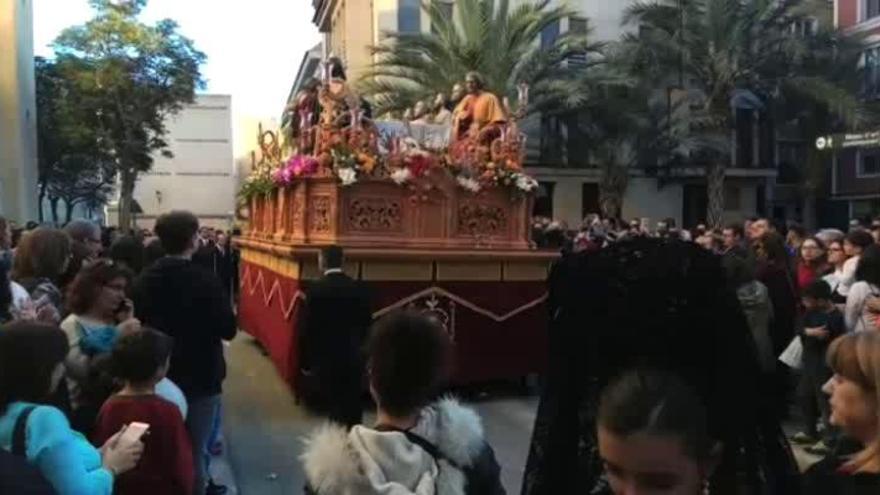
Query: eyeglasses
x=836 y=250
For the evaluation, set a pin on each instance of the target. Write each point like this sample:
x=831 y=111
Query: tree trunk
x=126 y=196
x=68 y=212
x=53 y=202
x=715 y=194
x=41 y=197
x=612 y=187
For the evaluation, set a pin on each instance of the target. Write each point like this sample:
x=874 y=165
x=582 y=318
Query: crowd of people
x=672 y=361
x=111 y=356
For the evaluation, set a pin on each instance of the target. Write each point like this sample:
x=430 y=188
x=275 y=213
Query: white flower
x=469 y=184
x=401 y=176
x=347 y=176
x=526 y=183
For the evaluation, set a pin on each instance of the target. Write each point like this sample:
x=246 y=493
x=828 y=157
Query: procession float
x=432 y=211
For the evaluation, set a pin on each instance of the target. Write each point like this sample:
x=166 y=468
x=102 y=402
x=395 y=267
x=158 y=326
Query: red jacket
x=167 y=464
x=807 y=274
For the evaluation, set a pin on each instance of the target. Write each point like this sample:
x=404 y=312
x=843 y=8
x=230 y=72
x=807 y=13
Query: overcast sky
x=254 y=47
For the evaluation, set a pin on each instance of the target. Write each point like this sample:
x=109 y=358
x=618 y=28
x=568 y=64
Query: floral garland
x=405 y=164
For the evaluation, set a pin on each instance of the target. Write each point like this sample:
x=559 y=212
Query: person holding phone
x=99 y=312
x=140 y=359
x=31 y=369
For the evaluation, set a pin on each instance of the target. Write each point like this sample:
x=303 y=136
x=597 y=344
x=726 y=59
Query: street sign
x=843 y=141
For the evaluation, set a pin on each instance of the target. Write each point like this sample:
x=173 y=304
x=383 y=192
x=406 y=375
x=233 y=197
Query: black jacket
x=334 y=326
x=185 y=301
x=823 y=478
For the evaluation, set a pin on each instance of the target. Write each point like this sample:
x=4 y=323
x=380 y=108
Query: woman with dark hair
x=855 y=408
x=99 y=311
x=31 y=368
x=418 y=445
x=854 y=245
x=665 y=305
x=812 y=263
x=654 y=437
x=867 y=286
x=774 y=271
x=42 y=257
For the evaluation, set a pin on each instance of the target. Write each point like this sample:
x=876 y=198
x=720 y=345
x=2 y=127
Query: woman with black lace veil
x=661 y=304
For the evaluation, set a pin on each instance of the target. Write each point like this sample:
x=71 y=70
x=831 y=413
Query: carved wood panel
x=375 y=214
x=478 y=219
x=320 y=220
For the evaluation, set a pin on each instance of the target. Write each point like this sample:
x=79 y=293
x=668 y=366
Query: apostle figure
x=420 y=113
x=480 y=114
x=442 y=114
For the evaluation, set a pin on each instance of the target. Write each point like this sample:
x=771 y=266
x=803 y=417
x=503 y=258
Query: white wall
x=18 y=114
x=201 y=177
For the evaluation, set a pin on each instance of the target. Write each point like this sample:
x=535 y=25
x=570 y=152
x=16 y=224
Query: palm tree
x=501 y=42
x=728 y=54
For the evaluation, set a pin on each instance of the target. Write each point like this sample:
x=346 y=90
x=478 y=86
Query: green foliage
x=492 y=37
x=130 y=76
x=72 y=166
x=730 y=54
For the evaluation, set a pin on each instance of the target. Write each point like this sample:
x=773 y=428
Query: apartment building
x=856 y=170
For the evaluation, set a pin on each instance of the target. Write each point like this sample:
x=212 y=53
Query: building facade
x=856 y=171
x=18 y=112
x=569 y=182
x=201 y=177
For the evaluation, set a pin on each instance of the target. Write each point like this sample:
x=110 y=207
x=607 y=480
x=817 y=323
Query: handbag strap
x=425 y=445
x=19 y=433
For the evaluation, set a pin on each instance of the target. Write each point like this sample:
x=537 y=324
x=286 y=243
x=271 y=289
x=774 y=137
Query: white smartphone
x=134 y=433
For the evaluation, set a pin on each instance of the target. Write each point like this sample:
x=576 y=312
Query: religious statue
x=456 y=95
x=420 y=113
x=303 y=113
x=480 y=116
x=442 y=114
x=336 y=97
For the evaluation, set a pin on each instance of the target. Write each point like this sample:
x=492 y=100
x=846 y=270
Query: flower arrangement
x=401 y=176
x=404 y=161
x=350 y=164
x=298 y=166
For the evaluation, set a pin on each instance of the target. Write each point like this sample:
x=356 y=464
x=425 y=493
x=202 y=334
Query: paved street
x=264 y=426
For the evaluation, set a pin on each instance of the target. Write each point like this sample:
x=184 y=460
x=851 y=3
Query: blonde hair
x=856 y=357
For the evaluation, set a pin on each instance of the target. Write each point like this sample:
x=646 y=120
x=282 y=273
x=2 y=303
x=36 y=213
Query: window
x=577 y=26
x=872 y=72
x=589 y=199
x=446 y=8
x=868 y=163
x=872 y=9
x=409 y=16
x=544 y=200
x=805 y=27
x=549 y=35
x=732 y=198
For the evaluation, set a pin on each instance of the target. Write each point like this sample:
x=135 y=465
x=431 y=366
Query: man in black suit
x=332 y=330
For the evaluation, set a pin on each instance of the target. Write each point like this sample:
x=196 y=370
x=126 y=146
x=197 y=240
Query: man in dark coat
x=332 y=330
x=186 y=302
